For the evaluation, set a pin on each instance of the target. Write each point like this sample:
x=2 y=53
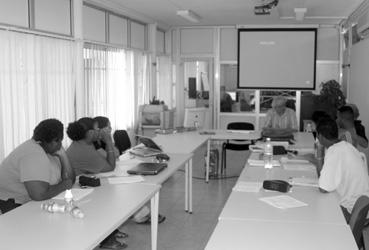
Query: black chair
x=121 y=140
x=237 y=145
x=358 y=219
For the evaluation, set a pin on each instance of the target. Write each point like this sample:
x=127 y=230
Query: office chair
x=358 y=219
x=231 y=145
x=121 y=140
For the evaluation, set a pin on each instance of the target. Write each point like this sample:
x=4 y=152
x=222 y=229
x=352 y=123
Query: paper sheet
x=283 y=202
x=260 y=163
x=78 y=193
x=125 y=179
x=250 y=187
x=309 y=182
x=297 y=164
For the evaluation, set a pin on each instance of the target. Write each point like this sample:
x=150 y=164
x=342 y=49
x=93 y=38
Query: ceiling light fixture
x=300 y=13
x=189 y=15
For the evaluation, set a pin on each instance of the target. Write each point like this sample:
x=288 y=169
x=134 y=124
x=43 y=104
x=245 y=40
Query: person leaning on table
x=85 y=159
x=36 y=170
x=280 y=120
x=344 y=169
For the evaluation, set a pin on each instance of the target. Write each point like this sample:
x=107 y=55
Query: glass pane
x=266 y=98
x=197 y=84
x=231 y=98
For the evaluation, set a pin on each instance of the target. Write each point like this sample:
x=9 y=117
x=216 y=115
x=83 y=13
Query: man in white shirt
x=280 y=120
x=344 y=169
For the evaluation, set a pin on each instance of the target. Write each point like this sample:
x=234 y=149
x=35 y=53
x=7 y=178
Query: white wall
x=358 y=88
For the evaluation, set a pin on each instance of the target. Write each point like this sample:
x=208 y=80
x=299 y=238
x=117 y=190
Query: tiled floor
x=180 y=230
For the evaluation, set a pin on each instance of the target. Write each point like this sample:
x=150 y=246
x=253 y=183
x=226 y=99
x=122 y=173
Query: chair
x=121 y=140
x=358 y=219
x=237 y=145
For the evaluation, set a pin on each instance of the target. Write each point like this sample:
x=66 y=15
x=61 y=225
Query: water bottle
x=268 y=154
x=68 y=198
x=53 y=207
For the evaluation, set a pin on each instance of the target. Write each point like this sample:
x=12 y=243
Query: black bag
x=89 y=181
x=277 y=185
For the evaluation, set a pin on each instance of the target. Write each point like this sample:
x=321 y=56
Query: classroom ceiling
x=241 y=12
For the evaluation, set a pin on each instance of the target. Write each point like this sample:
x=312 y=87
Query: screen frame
x=314 y=30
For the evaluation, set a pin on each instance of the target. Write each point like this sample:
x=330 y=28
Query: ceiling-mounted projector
x=265 y=8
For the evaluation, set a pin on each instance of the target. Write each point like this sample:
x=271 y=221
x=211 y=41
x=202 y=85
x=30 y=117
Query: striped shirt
x=286 y=120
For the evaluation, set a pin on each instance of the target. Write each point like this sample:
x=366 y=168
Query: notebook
x=147 y=168
x=149 y=148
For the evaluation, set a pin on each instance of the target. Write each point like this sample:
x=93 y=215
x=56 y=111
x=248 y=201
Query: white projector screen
x=277 y=58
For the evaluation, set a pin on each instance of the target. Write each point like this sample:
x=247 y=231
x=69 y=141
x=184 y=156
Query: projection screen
x=277 y=58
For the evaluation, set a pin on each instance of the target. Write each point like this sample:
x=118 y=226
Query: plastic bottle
x=268 y=154
x=53 y=207
x=68 y=198
x=76 y=212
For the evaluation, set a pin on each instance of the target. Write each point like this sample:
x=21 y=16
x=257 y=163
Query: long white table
x=267 y=235
x=176 y=161
x=183 y=143
x=105 y=209
x=249 y=223
x=222 y=135
x=321 y=208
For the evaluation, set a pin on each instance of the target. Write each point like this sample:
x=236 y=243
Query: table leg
x=190 y=186
x=154 y=220
x=186 y=185
x=207 y=162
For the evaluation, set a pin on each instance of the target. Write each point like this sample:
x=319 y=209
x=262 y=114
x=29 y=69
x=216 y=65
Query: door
x=198 y=86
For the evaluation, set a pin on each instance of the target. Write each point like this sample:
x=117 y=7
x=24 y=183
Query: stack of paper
x=125 y=179
x=309 y=182
x=283 y=202
x=78 y=193
x=252 y=187
x=260 y=163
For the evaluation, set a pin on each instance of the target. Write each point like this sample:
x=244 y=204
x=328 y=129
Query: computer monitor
x=195 y=117
x=233 y=95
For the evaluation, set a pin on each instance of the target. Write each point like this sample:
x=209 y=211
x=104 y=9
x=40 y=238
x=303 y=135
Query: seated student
x=85 y=159
x=103 y=123
x=82 y=154
x=280 y=120
x=360 y=129
x=343 y=170
x=346 y=127
x=37 y=170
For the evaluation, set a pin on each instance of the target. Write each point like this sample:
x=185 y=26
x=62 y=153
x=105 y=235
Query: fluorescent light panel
x=189 y=15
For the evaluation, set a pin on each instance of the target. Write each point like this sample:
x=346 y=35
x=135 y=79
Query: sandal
x=119 y=234
x=111 y=243
x=161 y=218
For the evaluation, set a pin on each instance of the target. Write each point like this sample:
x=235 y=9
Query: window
x=164 y=86
x=37 y=82
x=112 y=79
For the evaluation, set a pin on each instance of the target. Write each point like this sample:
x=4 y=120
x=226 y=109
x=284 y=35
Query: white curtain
x=116 y=83
x=37 y=81
x=164 y=85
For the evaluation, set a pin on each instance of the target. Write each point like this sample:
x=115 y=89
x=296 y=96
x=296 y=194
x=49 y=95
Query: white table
x=252 y=174
x=183 y=143
x=105 y=209
x=266 y=235
x=176 y=161
x=321 y=209
x=219 y=134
